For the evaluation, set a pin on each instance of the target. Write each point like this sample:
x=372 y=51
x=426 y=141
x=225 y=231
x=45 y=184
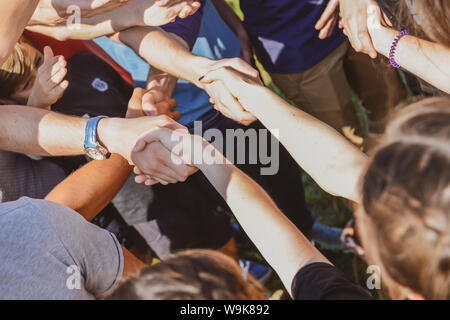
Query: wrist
x=201 y=66
x=107 y=131
x=251 y=96
x=382 y=38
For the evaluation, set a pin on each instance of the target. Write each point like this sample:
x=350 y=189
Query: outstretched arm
x=249 y=203
x=169 y=53
x=332 y=161
x=14 y=15
x=132 y=13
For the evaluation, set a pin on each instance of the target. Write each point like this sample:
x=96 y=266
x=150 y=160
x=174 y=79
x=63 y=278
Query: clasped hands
x=164 y=154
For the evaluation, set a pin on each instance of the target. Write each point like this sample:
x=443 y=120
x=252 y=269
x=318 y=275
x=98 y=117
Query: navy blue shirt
x=187 y=28
x=284 y=36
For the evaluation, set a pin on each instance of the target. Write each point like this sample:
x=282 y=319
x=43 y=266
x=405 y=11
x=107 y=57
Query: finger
x=150 y=182
x=175 y=115
x=329 y=11
x=227 y=113
x=48 y=53
x=58 y=91
x=138 y=171
x=52 y=66
x=241 y=66
x=149 y=105
x=386 y=19
x=166 y=107
x=140 y=179
x=212 y=76
x=365 y=39
x=166 y=170
x=325 y=31
x=136 y=99
x=186 y=11
x=57 y=78
x=57 y=67
x=332 y=27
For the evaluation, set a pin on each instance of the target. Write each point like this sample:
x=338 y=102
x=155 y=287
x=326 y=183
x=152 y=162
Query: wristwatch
x=91 y=145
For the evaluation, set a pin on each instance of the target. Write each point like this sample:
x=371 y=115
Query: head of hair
x=429 y=19
x=190 y=275
x=406 y=200
x=16 y=69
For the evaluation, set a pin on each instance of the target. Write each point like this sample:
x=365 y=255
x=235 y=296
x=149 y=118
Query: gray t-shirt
x=48 y=251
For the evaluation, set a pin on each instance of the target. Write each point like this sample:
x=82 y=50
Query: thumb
x=373 y=14
x=136 y=99
x=242 y=67
x=329 y=10
x=48 y=53
x=149 y=105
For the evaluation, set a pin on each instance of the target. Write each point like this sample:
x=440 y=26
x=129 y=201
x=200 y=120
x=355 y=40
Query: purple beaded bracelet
x=394 y=47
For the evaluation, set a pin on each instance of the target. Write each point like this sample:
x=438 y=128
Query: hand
x=223 y=100
x=143 y=103
x=164 y=12
x=377 y=25
x=354 y=20
x=328 y=20
x=189 y=9
x=49 y=85
x=156 y=103
x=173 y=142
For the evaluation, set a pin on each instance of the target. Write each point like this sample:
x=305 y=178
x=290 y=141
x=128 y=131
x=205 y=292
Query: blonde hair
x=16 y=69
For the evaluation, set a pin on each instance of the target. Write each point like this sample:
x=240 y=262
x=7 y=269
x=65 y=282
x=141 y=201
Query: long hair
x=406 y=198
x=190 y=275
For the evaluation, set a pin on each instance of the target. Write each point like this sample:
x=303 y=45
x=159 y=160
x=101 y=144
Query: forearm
x=166 y=52
x=46 y=133
x=250 y=204
x=88 y=28
x=427 y=60
x=132 y=266
x=94 y=185
x=40 y=132
x=230 y=18
x=332 y=161
x=14 y=15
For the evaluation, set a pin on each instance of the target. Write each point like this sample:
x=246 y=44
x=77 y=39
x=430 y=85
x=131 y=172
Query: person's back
x=50 y=252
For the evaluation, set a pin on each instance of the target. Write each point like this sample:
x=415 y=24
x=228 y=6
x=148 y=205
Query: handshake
x=162 y=150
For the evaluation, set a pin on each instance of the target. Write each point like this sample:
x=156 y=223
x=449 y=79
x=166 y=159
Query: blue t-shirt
x=284 y=36
x=215 y=41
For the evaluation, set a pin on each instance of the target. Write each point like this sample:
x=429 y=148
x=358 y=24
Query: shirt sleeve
x=323 y=281
x=188 y=28
x=95 y=251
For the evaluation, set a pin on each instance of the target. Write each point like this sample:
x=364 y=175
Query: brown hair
x=16 y=69
x=190 y=275
x=429 y=19
x=406 y=197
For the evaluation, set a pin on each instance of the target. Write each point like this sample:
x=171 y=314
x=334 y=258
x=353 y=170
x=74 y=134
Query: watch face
x=95 y=154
